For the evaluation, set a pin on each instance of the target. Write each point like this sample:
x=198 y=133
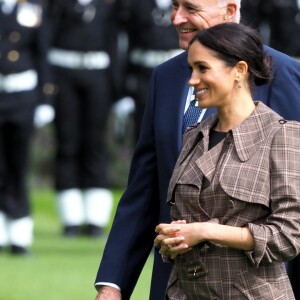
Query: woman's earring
x=239 y=86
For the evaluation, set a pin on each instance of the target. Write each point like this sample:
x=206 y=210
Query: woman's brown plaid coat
x=251 y=179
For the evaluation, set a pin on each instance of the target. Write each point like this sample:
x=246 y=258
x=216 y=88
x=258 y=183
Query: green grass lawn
x=59 y=268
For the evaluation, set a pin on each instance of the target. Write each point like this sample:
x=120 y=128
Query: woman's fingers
x=167 y=228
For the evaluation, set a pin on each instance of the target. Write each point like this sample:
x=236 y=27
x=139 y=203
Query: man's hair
x=222 y=3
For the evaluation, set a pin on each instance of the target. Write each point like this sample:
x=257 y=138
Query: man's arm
x=282 y=94
x=131 y=237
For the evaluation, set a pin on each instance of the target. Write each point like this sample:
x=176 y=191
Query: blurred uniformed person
x=251 y=13
x=24 y=84
x=284 y=20
x=83 y=37
x=151 y=40
x=254 y=13
x=278 y=22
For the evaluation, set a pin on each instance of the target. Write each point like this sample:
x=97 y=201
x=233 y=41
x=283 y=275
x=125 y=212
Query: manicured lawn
x=58 y=269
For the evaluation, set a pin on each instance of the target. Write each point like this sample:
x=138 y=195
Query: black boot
x=93 y=230
x=18 y=250
x=71 y=231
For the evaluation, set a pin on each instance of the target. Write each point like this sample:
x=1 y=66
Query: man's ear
x=231 y=8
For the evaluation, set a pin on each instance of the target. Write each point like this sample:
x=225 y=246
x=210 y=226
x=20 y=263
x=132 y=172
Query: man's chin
x=184 y=44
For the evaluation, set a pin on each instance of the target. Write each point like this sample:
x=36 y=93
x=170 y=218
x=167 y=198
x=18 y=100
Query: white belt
x=152 y=58
x=79 y=60
x=19 y=82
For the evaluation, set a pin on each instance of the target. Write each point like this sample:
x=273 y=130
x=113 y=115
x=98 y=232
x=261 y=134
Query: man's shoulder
x=279 y=57
x=176 y=62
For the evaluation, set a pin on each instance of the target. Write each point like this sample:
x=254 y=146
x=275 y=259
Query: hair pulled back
x=234 y=42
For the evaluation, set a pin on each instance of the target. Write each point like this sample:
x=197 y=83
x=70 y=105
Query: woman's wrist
x=203 y=229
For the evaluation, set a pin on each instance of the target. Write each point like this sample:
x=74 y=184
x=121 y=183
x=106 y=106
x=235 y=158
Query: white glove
x=122 y=110
x=43 y=115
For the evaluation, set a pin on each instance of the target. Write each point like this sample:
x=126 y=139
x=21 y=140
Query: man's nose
x=178 y=16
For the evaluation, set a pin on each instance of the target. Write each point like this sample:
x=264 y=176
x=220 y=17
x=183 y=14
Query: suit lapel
x=177 y=93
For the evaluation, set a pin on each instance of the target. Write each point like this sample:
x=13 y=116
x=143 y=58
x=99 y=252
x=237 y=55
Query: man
x=143 y=205
x=83 y=39
x=284 y=21
x=25 y=96
x=151 y=41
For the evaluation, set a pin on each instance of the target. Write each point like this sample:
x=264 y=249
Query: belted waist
x=18 y=82
x=152 y=58
x=78 y=60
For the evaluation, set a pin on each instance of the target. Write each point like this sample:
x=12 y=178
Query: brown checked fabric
x=250 y=179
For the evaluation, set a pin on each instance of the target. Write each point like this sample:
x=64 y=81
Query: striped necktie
x=192 y=115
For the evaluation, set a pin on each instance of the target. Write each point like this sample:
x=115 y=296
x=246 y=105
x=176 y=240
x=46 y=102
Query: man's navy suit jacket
x=143 y=205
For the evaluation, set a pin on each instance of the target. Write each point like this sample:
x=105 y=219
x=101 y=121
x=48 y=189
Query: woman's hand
x=179 y=237
x=170 y=239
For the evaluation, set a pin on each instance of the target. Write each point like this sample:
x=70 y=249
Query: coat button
x=14 y=36
x=230 y=204
x=13 y=55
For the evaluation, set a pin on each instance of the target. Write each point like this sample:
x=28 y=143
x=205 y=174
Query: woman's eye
x=202 y=68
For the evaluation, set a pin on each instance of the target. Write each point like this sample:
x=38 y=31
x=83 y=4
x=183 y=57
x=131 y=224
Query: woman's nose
x=194 y=80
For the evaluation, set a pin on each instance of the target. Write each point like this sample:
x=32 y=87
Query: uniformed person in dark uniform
x=83 y=38
x=254 y=13
x=24 y=84
x=251 y=13
x=151 y=40
x=277 y=20
x=284 y=20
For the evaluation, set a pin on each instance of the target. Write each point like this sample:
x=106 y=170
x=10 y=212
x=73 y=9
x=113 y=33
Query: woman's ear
x=241 y=69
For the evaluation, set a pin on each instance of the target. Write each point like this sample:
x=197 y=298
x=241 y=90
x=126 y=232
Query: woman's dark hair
x=233 y=42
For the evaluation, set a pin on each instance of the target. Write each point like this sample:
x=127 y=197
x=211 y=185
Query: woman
x=235 y=190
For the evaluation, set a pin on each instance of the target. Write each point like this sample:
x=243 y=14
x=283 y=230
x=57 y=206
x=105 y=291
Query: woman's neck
x=232 y=115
